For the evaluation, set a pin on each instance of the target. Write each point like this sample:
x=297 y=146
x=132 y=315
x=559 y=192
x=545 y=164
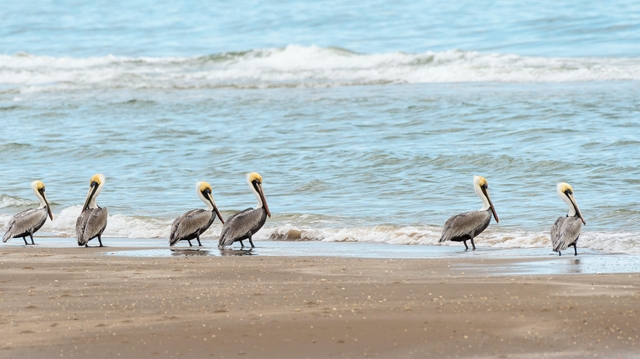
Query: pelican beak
x=215 y=208
x=92 y=190
x=264 y=200
x=493 y=209
x=575 y=205
x=47 y=203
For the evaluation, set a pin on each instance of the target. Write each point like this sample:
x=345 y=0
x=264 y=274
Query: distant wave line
x=299 y=66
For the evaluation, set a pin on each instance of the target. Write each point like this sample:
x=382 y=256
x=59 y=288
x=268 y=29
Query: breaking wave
x=15 y=202
x=136 y=227
x=298 y=66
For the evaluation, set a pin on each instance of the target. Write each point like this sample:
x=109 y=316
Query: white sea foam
x=118 y=226
x=298 y=66
x=154 y=228
x=619 y=242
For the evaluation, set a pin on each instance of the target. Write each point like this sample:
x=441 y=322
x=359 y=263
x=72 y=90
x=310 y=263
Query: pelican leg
x=190 y=245
x=100 y=240
x=31 y=236
x=473 y=244
x=25 y=240
x=242 y=244
x=198 y=238
x=575 y=249
x=466 y=247
x=559 y=253
x=250 y=241
x=86 y=245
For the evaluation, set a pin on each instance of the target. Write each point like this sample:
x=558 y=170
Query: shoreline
x=517 y=261
x=79 y=303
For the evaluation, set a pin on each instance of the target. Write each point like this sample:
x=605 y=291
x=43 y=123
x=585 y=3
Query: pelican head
x=255 y=182
x=204 y=192
x=481 y=187
x=565 y=191
x=95 y=187
x=38 y=189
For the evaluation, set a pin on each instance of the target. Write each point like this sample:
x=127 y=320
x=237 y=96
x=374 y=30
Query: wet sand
x=78 y=302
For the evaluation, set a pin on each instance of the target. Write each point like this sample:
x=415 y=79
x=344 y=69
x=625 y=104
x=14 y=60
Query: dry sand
x=78 y=302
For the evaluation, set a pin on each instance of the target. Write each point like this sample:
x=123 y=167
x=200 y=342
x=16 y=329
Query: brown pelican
x=468 y=225
x=245 y=224
x=193 y=223
x=28 y=222
x=93 y=219
x=566 y=230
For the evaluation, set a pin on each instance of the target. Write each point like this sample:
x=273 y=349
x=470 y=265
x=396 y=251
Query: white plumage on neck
x=260 y=204
x=567 y=200
x=92 y=197
x=203 y=198
x=41 y=199
x=485 y=200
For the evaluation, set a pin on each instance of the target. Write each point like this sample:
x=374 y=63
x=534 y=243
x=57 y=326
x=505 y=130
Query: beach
x=90 y=302
x=368 y=124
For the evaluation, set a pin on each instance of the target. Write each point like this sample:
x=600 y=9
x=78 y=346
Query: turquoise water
x=366 y=123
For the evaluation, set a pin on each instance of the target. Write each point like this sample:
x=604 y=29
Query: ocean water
x=367 y=123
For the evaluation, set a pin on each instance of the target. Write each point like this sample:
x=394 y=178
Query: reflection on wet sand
x=527 y=261
x=189 y=252
x=236 y=252
x=574 y=266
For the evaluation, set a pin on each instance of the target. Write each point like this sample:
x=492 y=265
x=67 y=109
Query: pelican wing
x=468 y=223
x=90 y=224
x=240 y=226
x=564 y=232
x=191 y=223
x=28 y=221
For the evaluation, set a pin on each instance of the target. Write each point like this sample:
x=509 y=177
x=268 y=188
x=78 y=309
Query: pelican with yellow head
x=195 y=222
x=28 y=222
x=466 y=226
x=243 y=225
x=93 y=219
x=566 y=230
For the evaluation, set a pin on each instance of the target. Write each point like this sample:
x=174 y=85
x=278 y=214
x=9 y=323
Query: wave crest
x=121 y=226
x=299 y=66
x=15 y=202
